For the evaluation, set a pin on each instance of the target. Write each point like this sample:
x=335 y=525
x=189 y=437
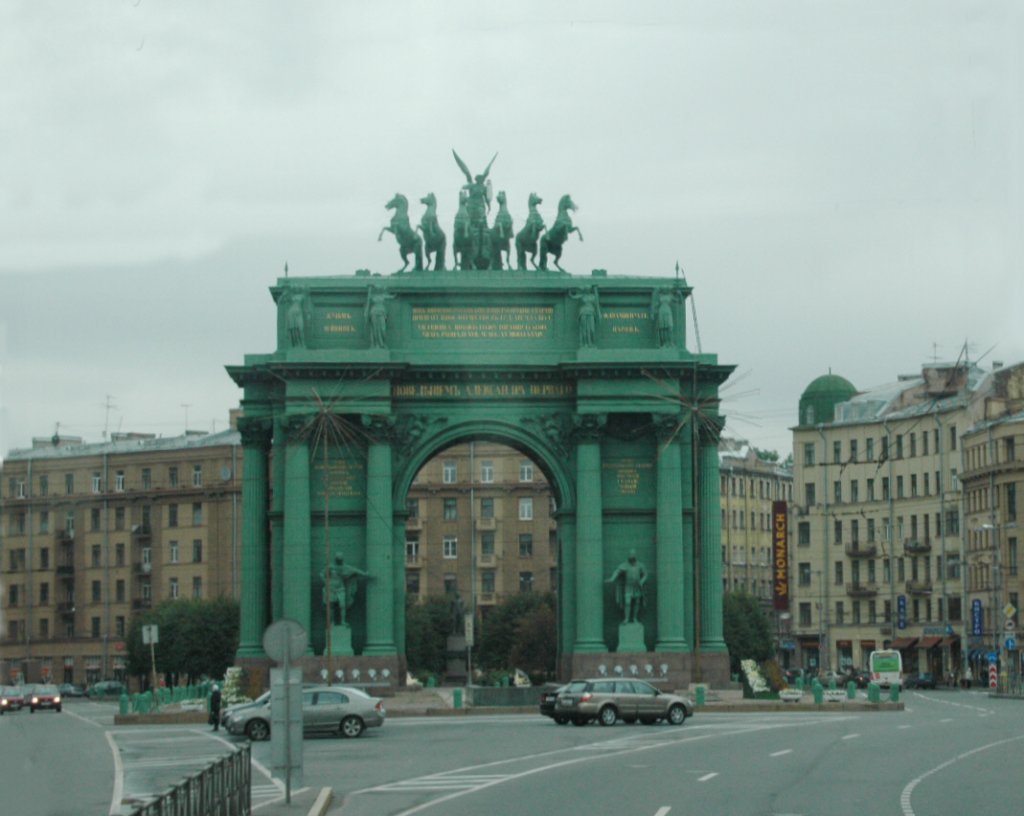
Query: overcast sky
x=841 y=181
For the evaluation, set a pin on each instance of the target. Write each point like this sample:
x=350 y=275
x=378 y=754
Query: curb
x=323 y=801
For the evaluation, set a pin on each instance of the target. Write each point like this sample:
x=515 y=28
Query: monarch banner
x=780 y=555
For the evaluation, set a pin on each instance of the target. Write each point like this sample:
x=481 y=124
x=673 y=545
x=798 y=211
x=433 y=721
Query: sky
x=841 y=182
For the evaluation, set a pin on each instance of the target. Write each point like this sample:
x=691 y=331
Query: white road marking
x=851 y=736
x=663 y=811
x=948 y=719
x=115 y=799
x=707 y=776
x=781 y=753
x=909 y=789
x=901 y=727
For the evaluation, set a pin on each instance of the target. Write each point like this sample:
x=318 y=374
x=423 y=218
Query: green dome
x=820 y=398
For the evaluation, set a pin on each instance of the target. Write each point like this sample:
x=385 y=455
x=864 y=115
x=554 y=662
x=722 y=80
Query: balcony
x=917 y=546
x=919 y=587
x=142 y=567
x=141 y=533
x=858 y=550
x=65 y=536
x=412 y=559
x=414 y=523
x=142 y=603
x=485 y=598
x=485 y=560
x=65 y=570
x=860 y=590
x=66 y=609
x=485 y=524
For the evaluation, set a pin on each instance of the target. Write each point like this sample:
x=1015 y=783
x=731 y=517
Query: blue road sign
x=1011 y=644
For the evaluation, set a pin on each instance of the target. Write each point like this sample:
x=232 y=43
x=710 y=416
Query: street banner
x=977 y=618
x=780 y=555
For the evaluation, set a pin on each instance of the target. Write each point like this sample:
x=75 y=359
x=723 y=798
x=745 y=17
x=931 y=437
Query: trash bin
x=457 y=698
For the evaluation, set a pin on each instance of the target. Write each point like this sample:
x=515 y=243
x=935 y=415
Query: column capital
x=589 y=427
x=256 y=431
x=381 y=428
x=296 y=427
x=667 y=426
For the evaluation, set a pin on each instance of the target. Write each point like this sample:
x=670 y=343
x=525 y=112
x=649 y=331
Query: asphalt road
x=948 y=753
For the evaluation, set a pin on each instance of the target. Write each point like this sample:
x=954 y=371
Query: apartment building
x=879 y=516
x=91 y=534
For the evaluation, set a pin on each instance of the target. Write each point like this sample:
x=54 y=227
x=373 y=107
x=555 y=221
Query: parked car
x=44 y=696
x=106 y=688
x=71 y=690
x=922 y=680
x=548 y=700
x=12 y=698
x=325 y=709
x=608 y=701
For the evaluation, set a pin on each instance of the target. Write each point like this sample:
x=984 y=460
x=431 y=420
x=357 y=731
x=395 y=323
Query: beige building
x=94 y=533
x=749 y=486
x=878 y=554
x=481 y=523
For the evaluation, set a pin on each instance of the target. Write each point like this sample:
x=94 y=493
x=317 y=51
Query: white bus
x=886 y=667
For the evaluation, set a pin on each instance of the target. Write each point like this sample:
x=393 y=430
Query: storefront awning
x=950 y=641
x=903 y=643
x=929 y=642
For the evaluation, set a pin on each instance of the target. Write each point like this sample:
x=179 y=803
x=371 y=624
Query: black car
x=924 y=680
x=548 y=699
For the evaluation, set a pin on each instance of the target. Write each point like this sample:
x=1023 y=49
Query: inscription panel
x=461 y=391
x=482 y=322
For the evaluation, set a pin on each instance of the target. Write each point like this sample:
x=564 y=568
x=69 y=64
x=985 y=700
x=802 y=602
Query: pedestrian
x=215 y=707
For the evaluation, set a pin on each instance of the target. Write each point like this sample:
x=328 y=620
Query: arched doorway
x=622 y=418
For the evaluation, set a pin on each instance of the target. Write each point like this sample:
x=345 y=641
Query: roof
x=188 y=441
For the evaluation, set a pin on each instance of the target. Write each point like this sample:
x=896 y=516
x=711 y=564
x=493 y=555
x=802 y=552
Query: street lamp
x=994 y=529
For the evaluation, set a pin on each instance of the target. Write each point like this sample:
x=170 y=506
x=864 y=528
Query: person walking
x=215 y=707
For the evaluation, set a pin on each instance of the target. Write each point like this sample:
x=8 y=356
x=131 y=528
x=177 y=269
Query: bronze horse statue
x=526 y=240
x=409 y=243
x=434 y=240
x=552 y=240
x=462 y=240
x=501 y=235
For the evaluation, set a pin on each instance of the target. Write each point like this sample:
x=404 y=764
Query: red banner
x=780 y=555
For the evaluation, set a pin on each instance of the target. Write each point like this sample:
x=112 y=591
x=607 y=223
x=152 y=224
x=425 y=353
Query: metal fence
x=223 y=789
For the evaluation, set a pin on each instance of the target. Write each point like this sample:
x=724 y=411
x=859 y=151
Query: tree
x=426 y=627
x=767 y=455
x=501 y=632
x=198 y=638
x=535 y=648
x=747 y=631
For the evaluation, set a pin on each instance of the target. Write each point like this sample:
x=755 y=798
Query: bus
x=886 y=668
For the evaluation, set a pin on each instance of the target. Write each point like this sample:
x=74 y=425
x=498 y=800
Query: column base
x=247 y=650
x=380 y=649
x=590 y=646
x=673 y=645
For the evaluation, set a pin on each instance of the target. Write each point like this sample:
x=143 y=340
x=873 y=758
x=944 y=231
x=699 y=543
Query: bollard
x=874 y=693
x=700 y=695
x=457 y=698
x=800 y=684
x=851 y=691
x=123 y=702
x=818 y=691
x=894 y=693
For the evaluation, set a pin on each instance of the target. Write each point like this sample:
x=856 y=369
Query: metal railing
x=222 y=789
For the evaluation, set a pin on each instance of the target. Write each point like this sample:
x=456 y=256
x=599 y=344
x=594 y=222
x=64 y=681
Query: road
x=949 y=752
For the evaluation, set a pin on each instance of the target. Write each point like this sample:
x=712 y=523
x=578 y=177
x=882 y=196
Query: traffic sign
x=993 y=676
x=1011 y=644
x=1009 y=610
x=284 y=641
x=1010 y=625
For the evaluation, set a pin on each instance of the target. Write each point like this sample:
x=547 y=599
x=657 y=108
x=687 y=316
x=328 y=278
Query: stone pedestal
x=455 y=653
x=631 y=638
x=341 y=640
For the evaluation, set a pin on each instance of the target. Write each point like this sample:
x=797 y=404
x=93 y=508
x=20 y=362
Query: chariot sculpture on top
x=477 y=244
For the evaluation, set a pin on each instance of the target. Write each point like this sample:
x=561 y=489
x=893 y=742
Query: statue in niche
x=662 y=307
x=341 y=584
x=409 y=242
x=376 y=313
x=476 y=252
x=589 y=314
x=629 y=579
x=296 y=314
x=551 y=242
x=529 y=235
x=434 y=241
x=501 y=235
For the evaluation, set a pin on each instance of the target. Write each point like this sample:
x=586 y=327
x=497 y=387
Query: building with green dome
x=818 y=402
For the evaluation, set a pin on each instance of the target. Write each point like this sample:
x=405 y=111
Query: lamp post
x=997 y=630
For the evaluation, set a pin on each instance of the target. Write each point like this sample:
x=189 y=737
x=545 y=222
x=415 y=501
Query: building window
x=809 y=494
x=172 y=476
x=119 y=554
x=147 y=555
x=487 y=542
x=526 y=582
x=119 y=591
x=804 y=573
x=69 y=483
x=172 y=588
x=147 y=479
x=173 y=554
x=412 y=582
x=450 y=547
x=97 y=591
x=487 y=581
x=853 y=450
x=526 y=508
x=839 y=573
x=97 y=482
x=837 y=490
x=172 y=515
x=837 y=531
x=412 y=549
x=525 y=545
x=95 y=628
x=840 y=612
x=44 y=628
x=899 y=487
x=451 y=509
x=94 y=519
x=449 y=472
x=837 y=452
x=44 y=593
x=487 y=507
x=805 y=614
x=12 y=595
x=44 y=485
x=197 y=514
x=197 y=587
x=119 y=518
x=854 y=491
x=97 y=555
x=885 y=488
x=44 y=522
x=147 y=591
x=803 y=533
x=451 y=584
x=808 y=453
x=526 y=471
x=119 y=626
x=197 y=550
x=119 y=481
x=44 y=558
x=487 y=471
x=197 y=475
x=412 y=507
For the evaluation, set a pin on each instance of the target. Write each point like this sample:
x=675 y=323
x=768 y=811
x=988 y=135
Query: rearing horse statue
x=409 y=243
x=501 y=235
x=526 y=239
x=552 y=240
x=434 y=240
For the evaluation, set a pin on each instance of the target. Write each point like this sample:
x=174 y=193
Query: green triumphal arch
x=590 y=376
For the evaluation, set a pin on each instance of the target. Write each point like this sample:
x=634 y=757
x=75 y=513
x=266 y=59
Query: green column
x=380 y=612
x=672 y=588
x=567 y=582
x=279 y=455
x=398 y=583
x=711 y=639
x=589 y=539
x=253 y=606
x=297 y=557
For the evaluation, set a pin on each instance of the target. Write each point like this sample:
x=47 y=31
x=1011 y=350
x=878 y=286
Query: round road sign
x=284 y=640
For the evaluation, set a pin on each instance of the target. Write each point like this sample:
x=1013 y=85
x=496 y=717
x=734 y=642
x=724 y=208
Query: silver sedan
x=325 y=709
